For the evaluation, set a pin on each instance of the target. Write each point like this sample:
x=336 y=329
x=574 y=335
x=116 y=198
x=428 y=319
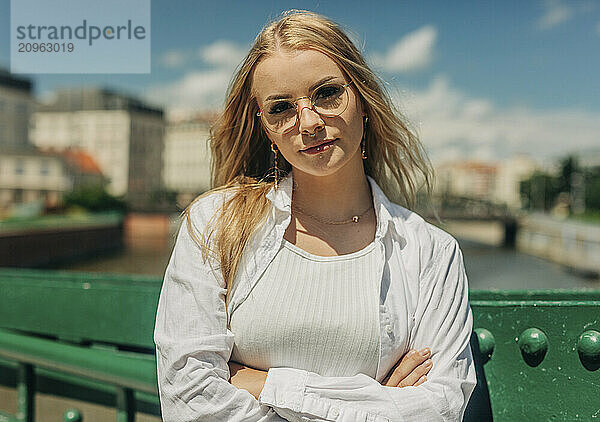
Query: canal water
x=487 y=267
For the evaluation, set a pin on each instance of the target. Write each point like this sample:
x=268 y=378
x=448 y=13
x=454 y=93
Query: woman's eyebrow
x=312 y=88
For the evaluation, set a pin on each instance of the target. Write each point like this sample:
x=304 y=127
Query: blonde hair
x=242 y=161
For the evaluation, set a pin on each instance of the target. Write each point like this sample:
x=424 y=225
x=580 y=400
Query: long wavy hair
x=242 y=161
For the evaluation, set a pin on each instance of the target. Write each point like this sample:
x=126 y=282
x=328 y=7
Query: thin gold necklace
x=354 y=219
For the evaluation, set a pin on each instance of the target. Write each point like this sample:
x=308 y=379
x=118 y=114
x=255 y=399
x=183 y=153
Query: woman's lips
x=319 y=148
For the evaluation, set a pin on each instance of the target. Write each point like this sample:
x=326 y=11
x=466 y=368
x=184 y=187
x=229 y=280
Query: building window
x=19 y=167
x=45 y=168
x=18 y=195
x=44 y=195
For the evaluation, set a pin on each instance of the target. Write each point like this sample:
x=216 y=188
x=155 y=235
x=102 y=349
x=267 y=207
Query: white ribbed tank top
x=311 y=312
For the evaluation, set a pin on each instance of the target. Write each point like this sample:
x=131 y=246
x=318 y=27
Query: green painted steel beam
x=26 y=393
x=58 y=221
x=64 y=275
x=116 y=368
x=557 y=295
x=125 y=405
x=80 y=307
x=60 y=384
x=541 y=358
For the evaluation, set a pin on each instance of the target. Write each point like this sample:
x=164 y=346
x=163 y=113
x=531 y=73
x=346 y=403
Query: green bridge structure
x=88 y=336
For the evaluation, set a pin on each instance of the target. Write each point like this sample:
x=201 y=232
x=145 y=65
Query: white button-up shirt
x=423 y=303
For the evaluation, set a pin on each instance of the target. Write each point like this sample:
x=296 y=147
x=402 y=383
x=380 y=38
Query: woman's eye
x=327 y=91
x=279 y=107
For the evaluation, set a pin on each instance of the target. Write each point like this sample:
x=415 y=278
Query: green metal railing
x=60 y=221
x=128 y=373
x=537 y=353
x=73 y=331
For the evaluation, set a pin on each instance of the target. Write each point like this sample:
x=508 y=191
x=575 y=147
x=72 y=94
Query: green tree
x=163 y=196
x=568 y=167
x=592 y=190
x=540 y=191
x=95 y=199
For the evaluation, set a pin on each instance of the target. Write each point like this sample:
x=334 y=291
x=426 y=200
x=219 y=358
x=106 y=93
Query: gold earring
x=274 y=149
x=364 y=139
x=364 y=154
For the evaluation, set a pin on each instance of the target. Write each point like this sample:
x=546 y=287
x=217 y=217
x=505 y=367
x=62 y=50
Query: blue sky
x=477 y=79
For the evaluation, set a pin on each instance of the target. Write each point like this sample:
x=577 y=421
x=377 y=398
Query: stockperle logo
x=80 y=36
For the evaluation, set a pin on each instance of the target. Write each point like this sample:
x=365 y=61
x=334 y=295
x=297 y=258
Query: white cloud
x=173 y=58
x=452 y=125
x=412 y=52
x=195 y=91
x=555 y=13
x=223 y=53
x=198 y=89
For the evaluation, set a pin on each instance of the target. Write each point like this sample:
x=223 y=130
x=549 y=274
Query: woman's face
x=292 y=74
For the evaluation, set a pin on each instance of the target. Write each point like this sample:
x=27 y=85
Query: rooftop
x=7 y=79
x=95 y=98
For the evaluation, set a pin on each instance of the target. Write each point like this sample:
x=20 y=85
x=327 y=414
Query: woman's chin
x=323 y=166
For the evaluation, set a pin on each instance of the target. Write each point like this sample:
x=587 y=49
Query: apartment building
x=16 y=106
x=187 y=159
x=124 y=136
x=28 y=176
x=497 y=181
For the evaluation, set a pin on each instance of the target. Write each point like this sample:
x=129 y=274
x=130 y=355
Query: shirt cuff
x=284 y=388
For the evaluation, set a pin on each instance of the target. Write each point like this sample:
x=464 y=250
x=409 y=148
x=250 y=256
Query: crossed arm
x=411 y=370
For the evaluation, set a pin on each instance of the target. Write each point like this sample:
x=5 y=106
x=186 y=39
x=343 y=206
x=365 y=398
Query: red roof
x=82 y=160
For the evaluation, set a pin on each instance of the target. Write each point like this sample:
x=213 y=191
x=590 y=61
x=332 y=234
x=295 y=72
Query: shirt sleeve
x=443 y=322
x=193 y=344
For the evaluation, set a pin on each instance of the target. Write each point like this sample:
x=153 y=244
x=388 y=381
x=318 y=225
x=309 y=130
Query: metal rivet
x=72 y=415
x=588 y=348
x=534 y=346
x=487 y=343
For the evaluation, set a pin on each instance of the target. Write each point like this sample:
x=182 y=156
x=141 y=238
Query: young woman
x=299 y=289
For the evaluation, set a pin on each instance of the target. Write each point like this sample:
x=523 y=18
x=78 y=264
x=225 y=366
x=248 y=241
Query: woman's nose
x=308 y=119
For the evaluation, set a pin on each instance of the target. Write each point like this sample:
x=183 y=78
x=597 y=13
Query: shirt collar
x=282 y=199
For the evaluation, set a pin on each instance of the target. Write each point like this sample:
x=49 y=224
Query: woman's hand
x=411 y=370
x=249 y=379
